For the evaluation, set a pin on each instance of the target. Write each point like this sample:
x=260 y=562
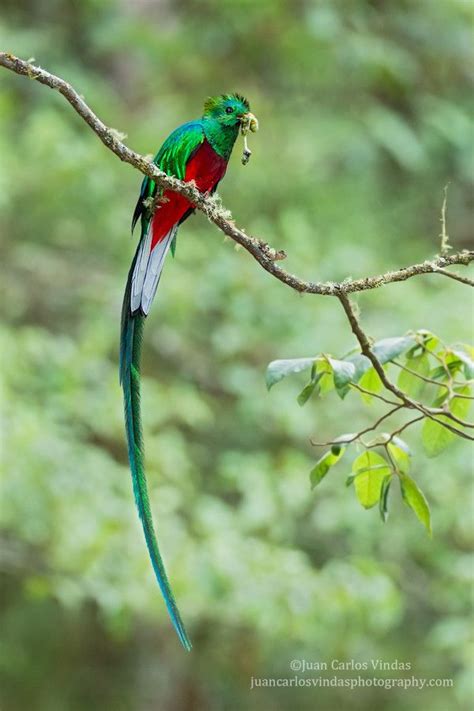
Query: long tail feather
x=130 y=350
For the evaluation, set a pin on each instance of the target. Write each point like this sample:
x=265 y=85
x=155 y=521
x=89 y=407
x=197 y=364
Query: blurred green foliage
x=364 y=115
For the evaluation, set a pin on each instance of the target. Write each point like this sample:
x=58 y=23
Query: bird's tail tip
x=185 y=641
x=176 y=618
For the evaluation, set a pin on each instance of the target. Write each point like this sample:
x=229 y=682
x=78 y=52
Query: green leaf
x=308 y=390
x=439 y=373
x=415 y=499
x=279 y=369
x=321 y=376
x=370 y=470
x=370 y=381
x=326 y=383
x=361 y=364
x=468 y=363
x=383 y=501
x=441 y=395
x=460 y=406
x=390 y=348
x=401 y=444
x=324 y=464
x=434 y=436
x=409 y=383
x=400 y=455
x=451 y=360
x=320 y=371
x=343 y=372
x=425 y=340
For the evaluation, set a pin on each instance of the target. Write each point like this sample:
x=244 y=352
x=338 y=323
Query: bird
x=196 y=151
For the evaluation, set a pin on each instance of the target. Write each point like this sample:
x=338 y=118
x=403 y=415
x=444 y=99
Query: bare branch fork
x=264 y=254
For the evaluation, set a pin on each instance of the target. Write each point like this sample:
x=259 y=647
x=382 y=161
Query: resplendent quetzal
x=198 y=151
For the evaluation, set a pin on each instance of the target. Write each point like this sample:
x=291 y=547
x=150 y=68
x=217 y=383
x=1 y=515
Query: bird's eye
x=229 y=110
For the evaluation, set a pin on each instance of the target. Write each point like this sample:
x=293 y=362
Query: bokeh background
x=364 y=113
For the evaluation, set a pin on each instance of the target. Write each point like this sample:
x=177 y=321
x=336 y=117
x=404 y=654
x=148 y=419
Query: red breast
x=206 y=168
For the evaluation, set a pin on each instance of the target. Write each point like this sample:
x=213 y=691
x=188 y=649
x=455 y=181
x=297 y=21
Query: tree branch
x=358 y=435
x=265 y=255
x=455 y=276
x=403 y=427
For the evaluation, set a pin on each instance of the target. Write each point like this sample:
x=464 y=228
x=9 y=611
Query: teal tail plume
x=130 y=350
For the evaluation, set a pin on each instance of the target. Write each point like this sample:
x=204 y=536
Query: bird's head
x=231 y=110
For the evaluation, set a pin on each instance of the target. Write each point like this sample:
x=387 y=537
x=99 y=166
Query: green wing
x=172 y=158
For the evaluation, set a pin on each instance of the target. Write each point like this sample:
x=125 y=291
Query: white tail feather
x=147 y=272
x=140 y=270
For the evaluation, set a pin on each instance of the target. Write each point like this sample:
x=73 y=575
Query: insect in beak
x=248 y=122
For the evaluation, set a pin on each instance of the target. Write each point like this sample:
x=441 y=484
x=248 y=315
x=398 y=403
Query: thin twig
x=358 y=387
x=404 y=427
x=456 y=276
x=393 y=434
x=445 y=246
x=437 y=383
x=458 y=420
x=430 y=381
x=362 y=432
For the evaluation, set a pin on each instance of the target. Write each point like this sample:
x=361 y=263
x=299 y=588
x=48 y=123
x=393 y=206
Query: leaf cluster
x=438 y=376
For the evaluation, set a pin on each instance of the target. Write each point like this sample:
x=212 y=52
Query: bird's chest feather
x=206 y=168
